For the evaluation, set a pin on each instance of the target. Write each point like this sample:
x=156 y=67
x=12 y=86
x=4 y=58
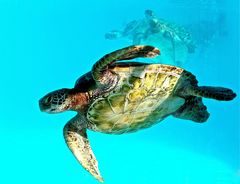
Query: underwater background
x=46 y=45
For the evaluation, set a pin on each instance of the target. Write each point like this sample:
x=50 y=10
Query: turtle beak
x=42 y=105
x=45 y=107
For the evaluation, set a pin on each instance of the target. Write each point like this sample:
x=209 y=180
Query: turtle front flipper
x=100 y=71
x=77 y=141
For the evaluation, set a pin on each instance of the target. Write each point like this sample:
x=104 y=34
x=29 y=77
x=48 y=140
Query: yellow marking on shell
x=130 y=106
x=137 y=95
x=173 y=81
x=141 y=116
x=120 y=126
x=101 y=104
x=119 y=69
x=140 y=99
x=117 y=102
x=107 y=123
x=160 y=79
x=166 y=83
x=135 y=82
x=152 y=67
x=105 y=126
x=139 y=71
x=104 y=110
x=123 y=122
x=149 y=80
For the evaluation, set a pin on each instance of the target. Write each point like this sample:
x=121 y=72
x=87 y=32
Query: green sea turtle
x=175 y=41
x=122 y=97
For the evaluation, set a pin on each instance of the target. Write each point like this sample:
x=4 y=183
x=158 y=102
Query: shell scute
x=142 y=97
x=116 y=102
x=137 y=95
x=149 y=80
x=135 y=82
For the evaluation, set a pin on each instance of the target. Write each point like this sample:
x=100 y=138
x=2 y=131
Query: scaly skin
x=77 y=99
x=125 y=97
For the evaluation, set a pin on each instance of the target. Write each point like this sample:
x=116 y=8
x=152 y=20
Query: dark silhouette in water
x=174 y=40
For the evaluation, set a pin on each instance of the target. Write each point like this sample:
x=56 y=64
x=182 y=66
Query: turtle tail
x=217 y=93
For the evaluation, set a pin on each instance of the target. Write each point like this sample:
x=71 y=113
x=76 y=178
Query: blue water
x=46 y=45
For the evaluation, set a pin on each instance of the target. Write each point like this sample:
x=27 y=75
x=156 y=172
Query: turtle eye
x=48 y=100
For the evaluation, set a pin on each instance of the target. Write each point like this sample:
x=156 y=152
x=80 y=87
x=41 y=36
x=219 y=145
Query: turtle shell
x=143 y=96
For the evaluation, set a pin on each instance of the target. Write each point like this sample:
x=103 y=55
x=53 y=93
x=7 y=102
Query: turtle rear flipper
x=217 y=93
x=193 y=109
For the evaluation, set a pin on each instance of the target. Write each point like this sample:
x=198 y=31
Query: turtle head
x=112 y=35
x=149 y=13
x=56 y=101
